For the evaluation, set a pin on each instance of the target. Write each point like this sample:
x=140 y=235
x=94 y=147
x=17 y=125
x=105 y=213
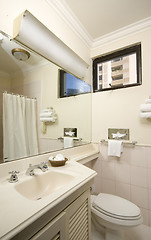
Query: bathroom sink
x=40 y=186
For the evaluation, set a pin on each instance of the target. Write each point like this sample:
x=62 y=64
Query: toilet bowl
x=114 y=214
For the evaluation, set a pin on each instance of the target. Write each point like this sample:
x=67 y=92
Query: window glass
x=71 y=85
x=119 y=69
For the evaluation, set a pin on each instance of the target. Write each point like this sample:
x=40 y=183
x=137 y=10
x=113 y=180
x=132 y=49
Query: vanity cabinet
x=78 y=218
x=71 y=224
x=52 y=231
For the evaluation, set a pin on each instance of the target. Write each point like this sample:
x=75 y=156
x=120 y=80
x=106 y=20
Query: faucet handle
x=13 y=177
x=44 y=166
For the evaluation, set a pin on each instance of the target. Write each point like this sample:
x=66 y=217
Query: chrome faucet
x=30 y=171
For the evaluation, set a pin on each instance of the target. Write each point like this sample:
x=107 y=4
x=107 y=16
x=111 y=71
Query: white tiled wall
x=128 y=177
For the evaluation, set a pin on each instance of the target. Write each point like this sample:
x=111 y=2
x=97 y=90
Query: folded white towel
x=115 y=148
x=47 y=119
x=145 y=107
x=68 y=142
x=145 y=115
x=148 y=101
x=46 y=114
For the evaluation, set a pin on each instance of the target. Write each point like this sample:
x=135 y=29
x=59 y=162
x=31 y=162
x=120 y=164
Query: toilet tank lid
x=116 y=205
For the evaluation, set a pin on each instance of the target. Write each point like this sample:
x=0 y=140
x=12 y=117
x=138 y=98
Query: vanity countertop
x=18 y=211
x=81 y=154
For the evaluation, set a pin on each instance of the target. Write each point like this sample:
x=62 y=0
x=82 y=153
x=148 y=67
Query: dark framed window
x=71 y=85
x=118 y=69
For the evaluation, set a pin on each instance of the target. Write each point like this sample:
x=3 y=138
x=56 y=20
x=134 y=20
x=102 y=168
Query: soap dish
x=58 y=163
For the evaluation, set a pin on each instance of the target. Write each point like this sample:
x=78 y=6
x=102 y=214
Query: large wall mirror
x=38 y=79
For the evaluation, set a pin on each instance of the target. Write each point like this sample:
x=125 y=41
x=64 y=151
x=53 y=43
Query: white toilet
x=114 y=213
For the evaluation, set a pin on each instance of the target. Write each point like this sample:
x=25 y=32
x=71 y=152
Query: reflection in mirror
x=71 y=85
x=36 y=80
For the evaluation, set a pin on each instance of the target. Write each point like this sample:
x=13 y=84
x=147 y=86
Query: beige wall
x=120 y=108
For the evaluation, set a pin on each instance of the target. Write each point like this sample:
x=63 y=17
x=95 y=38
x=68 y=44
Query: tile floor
x=141 y=232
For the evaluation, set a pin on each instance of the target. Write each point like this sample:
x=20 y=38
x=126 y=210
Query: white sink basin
x=40 y=186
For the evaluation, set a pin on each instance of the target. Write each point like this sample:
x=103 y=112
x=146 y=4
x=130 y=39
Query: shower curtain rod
x=17 y=94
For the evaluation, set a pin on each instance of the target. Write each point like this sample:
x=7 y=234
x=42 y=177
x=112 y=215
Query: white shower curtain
x=19 y=127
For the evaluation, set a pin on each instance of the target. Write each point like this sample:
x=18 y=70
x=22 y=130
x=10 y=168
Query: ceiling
x=100 y=17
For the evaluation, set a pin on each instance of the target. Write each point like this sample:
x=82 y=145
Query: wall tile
x=149 y=178
x=108 y=169
x=140 y=196
x=148 y=156
x=139 y=176
x=103 y=151
x=150 y=221
x=126 y=155
x=97 y=164
x=145 y=215
x=108 y=186
x=122 y=172
x=150 y=199
x=98 y=183
x=138 y=156
x=123 y=190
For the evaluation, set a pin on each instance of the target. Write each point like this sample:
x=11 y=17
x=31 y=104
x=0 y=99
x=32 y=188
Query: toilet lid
x=114 y=205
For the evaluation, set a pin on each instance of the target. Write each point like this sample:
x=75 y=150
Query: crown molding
x=71 y=20
x=68 y=16
x=121 y=33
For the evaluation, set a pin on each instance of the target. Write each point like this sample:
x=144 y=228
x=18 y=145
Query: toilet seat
x=117 y=216
x=115 y=209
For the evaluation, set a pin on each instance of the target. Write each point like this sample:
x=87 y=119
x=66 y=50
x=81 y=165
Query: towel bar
x=74 y=139
x=133 y=143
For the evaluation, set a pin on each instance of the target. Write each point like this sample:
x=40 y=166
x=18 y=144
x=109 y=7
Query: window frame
x=117 y=54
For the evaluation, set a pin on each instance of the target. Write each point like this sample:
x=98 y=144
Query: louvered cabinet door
x=78 y=218
x=54 y=230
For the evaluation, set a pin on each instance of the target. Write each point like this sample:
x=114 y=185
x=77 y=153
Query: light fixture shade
x=37 y=37
x=20 y=54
